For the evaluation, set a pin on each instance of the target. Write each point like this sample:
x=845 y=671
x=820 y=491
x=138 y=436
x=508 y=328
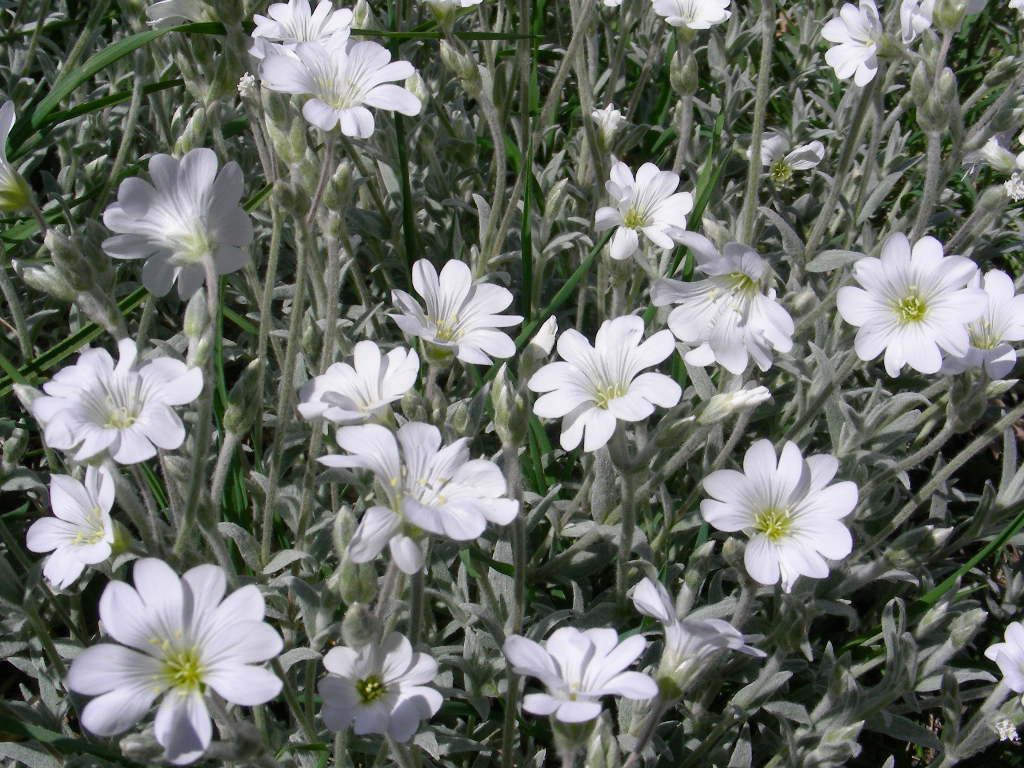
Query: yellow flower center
x=634 y=219
x=780 y=172
x=448 y=330
x=183 y=669
x=911 y=309
x=774 y=523
x=606 y=394
x=983 y=336
x=370 y=689
x=96 y=536
x=120 y=418
x=741 y=282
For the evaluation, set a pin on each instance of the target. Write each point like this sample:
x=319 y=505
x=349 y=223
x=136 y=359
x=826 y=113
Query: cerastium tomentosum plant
x=584 y=383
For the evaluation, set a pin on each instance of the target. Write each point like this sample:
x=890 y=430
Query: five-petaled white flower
x=916 y=15
x=694 y=14
x=1002 y=321
x=294 y=22
x=190 y=212
x=578 y=668
x=14 y=192
x=781 y=162
x=688 y=642
x=92 y=406
x=342 y=82
x=80 y=532
x=594 y=387
x=788 y=509
x=177 y=637
x=379 y=688
x=349 y=394
x=913 y=302
x=649 y=204
x=857 y=33
x=725 y=316
x=1009 y=655
x=609 y=120
x=426 y=487
x=461 y=314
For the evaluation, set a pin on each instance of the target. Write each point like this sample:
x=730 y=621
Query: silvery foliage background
x=871 y=662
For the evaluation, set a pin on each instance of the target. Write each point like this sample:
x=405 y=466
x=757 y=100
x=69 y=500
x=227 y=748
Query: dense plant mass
x=605 y=383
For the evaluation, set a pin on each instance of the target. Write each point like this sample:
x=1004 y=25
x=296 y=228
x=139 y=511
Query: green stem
x=932 y=185
x=746 y=229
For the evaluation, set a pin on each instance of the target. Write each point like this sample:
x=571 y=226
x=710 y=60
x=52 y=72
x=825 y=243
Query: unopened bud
x=604 y=492
x=50 y=280
x=141 y=747
x=948 y=15
x=362 y=16
x=197 y=316
x=414 y=406
x=68 y=259
x=359 y=627
x=14 y=446
x=245 y=402
x=920 y=85
x=947 y=88
x=964 y=626
x=194 y=133
x=415 y=85
x=457 y=416
x=342 y=530
x=510 y=417
x=683 y=74
x=732 y=553
x=536 y=353
x=463 y=67
x=603 y=749
x=726 y=404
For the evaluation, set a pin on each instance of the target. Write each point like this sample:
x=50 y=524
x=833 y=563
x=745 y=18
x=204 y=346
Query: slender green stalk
x=416 y=607
x=932 y=185
x=746 y=225
x=17 y=314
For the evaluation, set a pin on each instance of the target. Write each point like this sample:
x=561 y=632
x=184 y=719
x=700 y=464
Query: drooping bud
x=359 y=626
x=510 y=416
x=245 y=402
x=724 y=405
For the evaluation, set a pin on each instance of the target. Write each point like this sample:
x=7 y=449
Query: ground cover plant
x=472 y=383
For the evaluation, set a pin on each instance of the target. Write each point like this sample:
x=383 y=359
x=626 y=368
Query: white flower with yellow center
x=349 y=394
x=781 y=161
x=294 y=22
x=693 y=14
x=461 y=314
x=857 y=33
x=913 y=304
x=189 y=212
x=427 y=487
x=594 y=387
x=788 y=509
x=180 y=639
x=1001 y=321
x=726 y=318
x=577 y=669
x=93 y=407
x=342 y=81
x=647 y=204
x=80 y=532
x=379 y=688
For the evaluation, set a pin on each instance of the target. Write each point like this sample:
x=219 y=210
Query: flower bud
x=362 y=16
x=964 y=626
x=732 y=553
x=920 y=85
x=948 y=15
x=1001 y=72
x=967 y=402
x=463 y=67
x=15 y=194
x=414 y=406
x=609 y=120
x=415 y=85
x=68 y=259
x=510 y=416
x=359 y=627
x=354 y=582
x=50 y=280
x=141 y=747
x=603 y=749
x=604 y=493
x=726 y=404
x=14 y=446
x=571 y=736
x=457 y=416
x=245 y=401
x=683 y=74
x=993 y=198
x=947 y=88
x=197 y=317
x=537 y=351
x=194 y=133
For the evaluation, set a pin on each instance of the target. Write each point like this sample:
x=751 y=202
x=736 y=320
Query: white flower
x=775 y=154
x=182 y=640
x=650 y=204
x=189 y=211
x=688 y=642
x=609 y=120
x=461 y=314
x=426 y=487
x=578 y=668
x=726 y=317
x=1009 y=656
x=725 y=404
x=170 y=12
x=1001 y=321
x=594 y=387
x=1014 y=187
x=14 y=192
x=1017 y=5
x=379 y=688
x=915 y=17
x=996 y=155
x=914 y=304
x=617 y=3
x=789 y=511
x=293 y=22
x=92 y=406
x=695 y=14
x=343 y=81
x=80 y=532
x=443 y=5
x=349 y=394
x=857 y=33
